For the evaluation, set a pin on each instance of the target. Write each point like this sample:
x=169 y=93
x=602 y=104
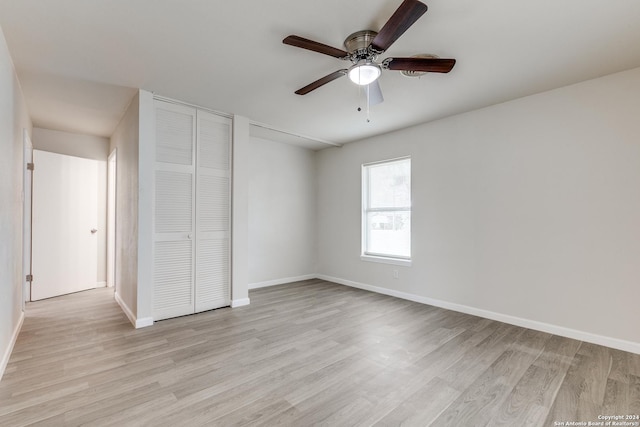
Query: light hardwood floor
x=307 y=353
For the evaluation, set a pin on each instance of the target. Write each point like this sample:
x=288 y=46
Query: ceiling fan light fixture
x=365 y=73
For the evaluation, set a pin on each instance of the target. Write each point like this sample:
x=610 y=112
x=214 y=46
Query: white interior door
x=213 y=212
x=65 y=217
x=174 y=216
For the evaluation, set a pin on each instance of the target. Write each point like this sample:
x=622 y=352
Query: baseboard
x=101 y=284
x=143 y=322
x=281 y=281
x=137 y=323
x=616 y=343
x=7 y=354
x=125 y=308
x=240 y=302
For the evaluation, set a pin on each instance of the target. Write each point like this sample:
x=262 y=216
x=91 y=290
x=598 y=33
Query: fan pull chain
x=364 y=93
x=368 y=103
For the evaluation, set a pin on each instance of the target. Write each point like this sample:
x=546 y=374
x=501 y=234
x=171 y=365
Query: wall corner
x=240 y=211
x=146 y=156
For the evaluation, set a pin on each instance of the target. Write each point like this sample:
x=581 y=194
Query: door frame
x=27 y=218
x=112 y=188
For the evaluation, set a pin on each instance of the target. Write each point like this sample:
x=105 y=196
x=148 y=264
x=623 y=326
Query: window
x=386 y=211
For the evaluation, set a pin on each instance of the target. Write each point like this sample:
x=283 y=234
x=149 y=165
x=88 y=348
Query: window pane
x=387 y=209
x=389 y=233
x=390 y=185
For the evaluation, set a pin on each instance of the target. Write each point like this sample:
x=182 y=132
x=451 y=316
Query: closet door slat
x=173 y=281
x=174 y=136
x=174 y=202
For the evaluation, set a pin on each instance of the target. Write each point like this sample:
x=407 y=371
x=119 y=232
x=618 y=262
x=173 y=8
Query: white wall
x=528 y=210
x=282 y=212
x=72 y=144
x=144 y=199
x=88 y=147
x=240 y=213
x=125 y=140
x=14 y=117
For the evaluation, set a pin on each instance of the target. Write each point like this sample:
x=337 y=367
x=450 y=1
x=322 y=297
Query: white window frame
x=376 y=257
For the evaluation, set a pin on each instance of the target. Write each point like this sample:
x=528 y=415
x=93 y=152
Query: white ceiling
x=80 y=61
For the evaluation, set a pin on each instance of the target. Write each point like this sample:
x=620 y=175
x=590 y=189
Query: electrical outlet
x=395 y=273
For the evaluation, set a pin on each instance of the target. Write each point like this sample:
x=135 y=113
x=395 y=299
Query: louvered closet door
x=213 y=180
x=174 y=216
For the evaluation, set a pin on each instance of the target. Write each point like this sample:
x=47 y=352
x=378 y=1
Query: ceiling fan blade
x=303 y=43
x=375 y=93
x=431 y=65
x=321 y=82
x=403 y=18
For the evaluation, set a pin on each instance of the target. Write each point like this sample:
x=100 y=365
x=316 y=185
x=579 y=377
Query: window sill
x=386 y=260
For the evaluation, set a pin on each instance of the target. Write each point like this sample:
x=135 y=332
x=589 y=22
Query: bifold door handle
x=94 y=231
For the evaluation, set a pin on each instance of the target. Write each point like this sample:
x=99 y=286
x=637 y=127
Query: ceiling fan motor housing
x=357 y=44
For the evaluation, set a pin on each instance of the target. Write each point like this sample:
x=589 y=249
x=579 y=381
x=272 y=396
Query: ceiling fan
x=364 y=47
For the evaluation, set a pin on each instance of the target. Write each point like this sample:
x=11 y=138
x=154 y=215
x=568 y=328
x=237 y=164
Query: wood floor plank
x=306 y=353
x=527 y=400
x=423 y=406
x=616 y=399
x=482 y=400
x=634 y=396
x=466 y=370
